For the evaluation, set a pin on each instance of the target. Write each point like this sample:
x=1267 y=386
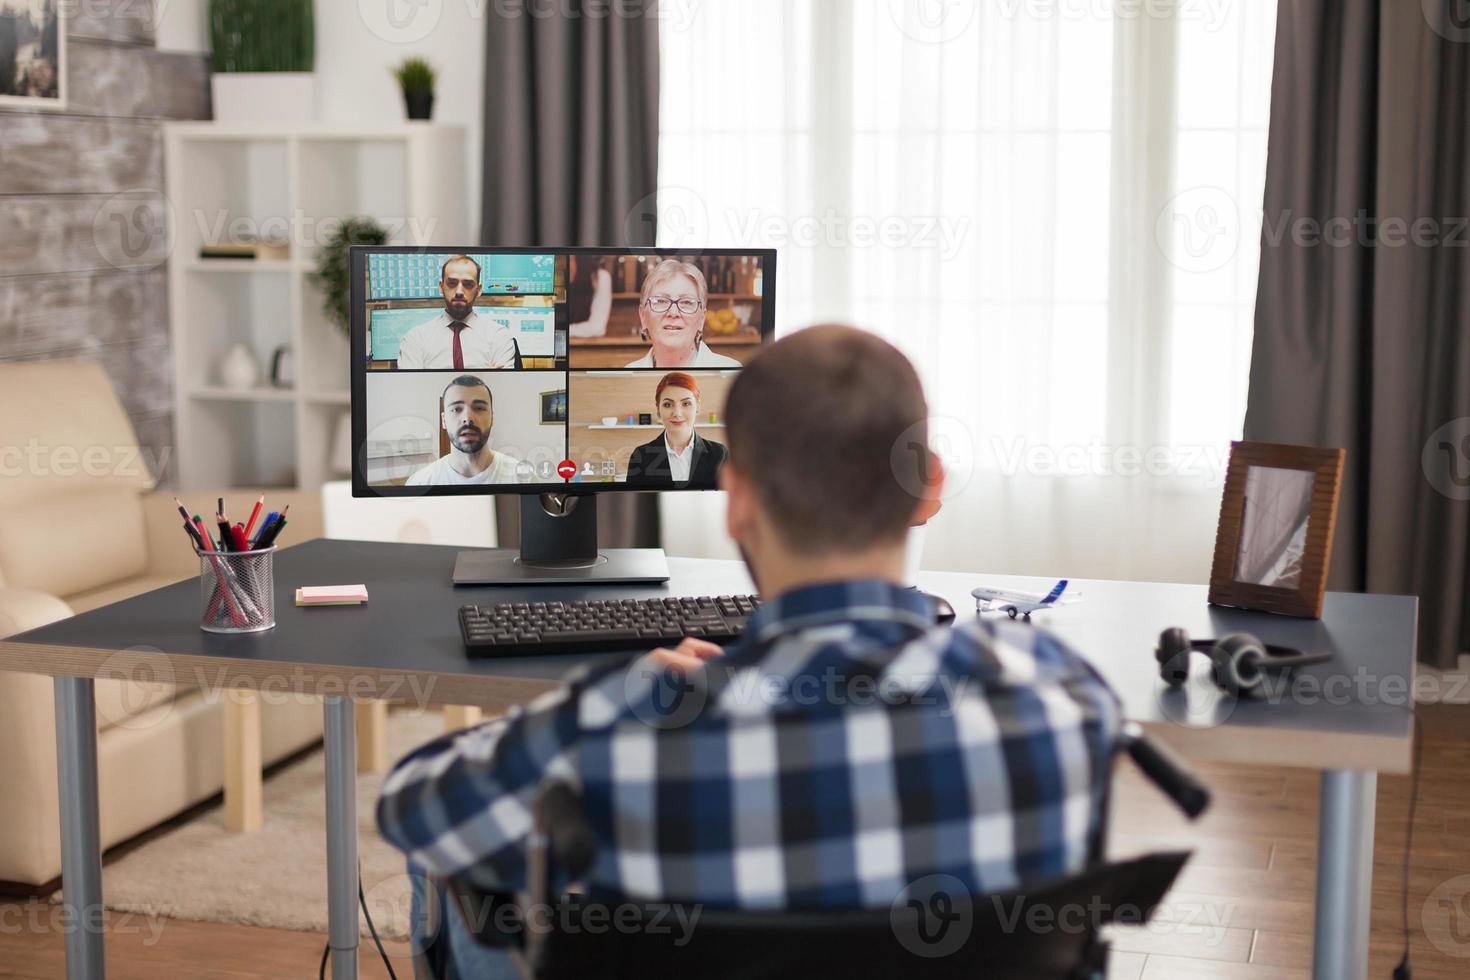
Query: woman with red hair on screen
x=680 y=457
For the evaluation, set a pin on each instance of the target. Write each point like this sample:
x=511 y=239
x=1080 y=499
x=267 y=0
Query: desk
x=404 y=647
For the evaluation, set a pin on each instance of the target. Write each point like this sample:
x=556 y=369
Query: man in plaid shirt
x=842 y=749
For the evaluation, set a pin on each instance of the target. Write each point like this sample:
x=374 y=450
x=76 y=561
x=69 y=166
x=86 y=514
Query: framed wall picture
x=33 y=54
x=1277 y=519
x=554 y=407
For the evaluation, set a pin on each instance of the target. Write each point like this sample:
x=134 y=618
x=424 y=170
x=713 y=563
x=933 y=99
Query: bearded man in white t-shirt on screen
x=468 y=418
x=460 y=337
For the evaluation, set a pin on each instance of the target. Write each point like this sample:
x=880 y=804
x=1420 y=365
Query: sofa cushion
x=117 y=591
x=72 y=541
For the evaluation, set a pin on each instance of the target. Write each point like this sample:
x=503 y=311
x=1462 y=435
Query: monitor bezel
x=357 y=308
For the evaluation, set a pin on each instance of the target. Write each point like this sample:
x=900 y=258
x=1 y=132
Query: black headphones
x=1239 y=662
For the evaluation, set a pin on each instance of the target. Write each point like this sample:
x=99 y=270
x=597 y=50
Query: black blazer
x=648 y=467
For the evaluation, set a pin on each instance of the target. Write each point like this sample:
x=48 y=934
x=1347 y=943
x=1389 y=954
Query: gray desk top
x=404 y=645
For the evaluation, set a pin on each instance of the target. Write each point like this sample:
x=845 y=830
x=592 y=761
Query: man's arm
x=462 y=804
x=410 y=352
x=505 y=350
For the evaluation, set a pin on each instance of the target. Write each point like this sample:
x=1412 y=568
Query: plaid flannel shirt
x=842 y=749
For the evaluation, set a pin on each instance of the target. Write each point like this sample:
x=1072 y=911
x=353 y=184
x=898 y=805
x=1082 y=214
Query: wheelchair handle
x=1166 y=771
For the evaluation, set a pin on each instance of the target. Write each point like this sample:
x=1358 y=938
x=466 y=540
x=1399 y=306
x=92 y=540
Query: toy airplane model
x=1016 y=603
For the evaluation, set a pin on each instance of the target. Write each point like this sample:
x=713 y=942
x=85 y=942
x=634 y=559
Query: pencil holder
x=237 y=590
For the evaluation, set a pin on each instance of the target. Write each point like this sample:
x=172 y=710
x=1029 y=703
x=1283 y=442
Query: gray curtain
x=1362 y=336
x=571 y=158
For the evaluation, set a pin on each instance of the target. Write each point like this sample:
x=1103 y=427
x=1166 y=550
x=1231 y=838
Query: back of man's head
x=816 y=424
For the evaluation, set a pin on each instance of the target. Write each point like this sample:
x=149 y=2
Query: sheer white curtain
x=1046 y=205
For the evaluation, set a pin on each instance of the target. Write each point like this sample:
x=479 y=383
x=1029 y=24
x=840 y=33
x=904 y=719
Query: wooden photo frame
x=33 y=59
x=1277 y=519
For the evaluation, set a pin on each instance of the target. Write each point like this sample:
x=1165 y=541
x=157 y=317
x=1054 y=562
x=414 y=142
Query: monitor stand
x=559 y=547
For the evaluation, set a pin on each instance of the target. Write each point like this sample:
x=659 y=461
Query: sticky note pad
x=337 y=593
x=331 y=595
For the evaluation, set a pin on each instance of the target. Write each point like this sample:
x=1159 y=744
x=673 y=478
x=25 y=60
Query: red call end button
x=566 y=469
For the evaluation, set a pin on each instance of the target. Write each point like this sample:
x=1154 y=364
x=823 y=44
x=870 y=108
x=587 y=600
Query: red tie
x=458 y=350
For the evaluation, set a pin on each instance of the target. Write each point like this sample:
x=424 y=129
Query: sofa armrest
x=21 y=610
x=169 y=552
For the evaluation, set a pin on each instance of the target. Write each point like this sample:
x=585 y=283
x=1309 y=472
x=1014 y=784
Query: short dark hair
x=469 y=381
x=444 y=269
x=814 y=422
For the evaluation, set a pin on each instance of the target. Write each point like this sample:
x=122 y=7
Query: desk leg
x=1344 y=874
x=81 y=838
x=339 y=733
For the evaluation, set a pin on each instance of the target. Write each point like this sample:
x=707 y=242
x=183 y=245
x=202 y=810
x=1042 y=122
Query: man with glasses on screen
x=459 y=337
x=468 y=417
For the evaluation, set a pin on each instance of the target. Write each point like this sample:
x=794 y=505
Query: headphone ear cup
x=1237 y=660
x=1172 y=653
x=1172 y=642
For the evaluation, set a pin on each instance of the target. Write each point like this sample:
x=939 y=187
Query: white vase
x=239 y=369
x=271 y=97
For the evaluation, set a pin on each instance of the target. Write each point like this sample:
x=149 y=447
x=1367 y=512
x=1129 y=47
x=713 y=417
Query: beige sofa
x=80 y=527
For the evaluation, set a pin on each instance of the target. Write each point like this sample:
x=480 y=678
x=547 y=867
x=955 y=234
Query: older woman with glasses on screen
x=671 y=319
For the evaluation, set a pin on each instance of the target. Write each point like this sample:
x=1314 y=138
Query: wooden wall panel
x=64 y=316
x=74 y=234
x=82 y=214
x=113 y=20
x=115 y=80
x=45 y=153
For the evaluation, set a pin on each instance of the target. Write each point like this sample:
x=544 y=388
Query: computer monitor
x=553 y=373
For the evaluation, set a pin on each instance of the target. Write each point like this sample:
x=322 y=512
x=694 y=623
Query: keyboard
x=528 y=628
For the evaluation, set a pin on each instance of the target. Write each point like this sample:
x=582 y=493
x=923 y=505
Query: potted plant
x=416 y=78
x=333 y=268
x=263 y=55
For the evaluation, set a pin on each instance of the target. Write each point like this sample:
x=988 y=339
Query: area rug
x=277 y=876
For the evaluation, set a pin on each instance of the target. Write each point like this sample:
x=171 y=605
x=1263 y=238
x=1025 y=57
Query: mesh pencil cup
x=237 y=590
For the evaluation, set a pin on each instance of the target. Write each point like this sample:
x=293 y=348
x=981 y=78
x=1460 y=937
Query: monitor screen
x=479 y=370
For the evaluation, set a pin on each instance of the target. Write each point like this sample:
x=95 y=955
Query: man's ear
x=931 y=497
x=737 y=499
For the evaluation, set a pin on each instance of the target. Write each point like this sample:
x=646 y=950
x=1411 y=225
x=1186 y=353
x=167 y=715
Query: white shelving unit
x=410 y=177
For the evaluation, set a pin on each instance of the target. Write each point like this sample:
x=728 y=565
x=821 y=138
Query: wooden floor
x=1242 y=910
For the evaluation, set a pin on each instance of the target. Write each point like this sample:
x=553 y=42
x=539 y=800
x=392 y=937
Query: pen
x=269 y=539
x=222 y=578
x=254 y=514
x=265 y=526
